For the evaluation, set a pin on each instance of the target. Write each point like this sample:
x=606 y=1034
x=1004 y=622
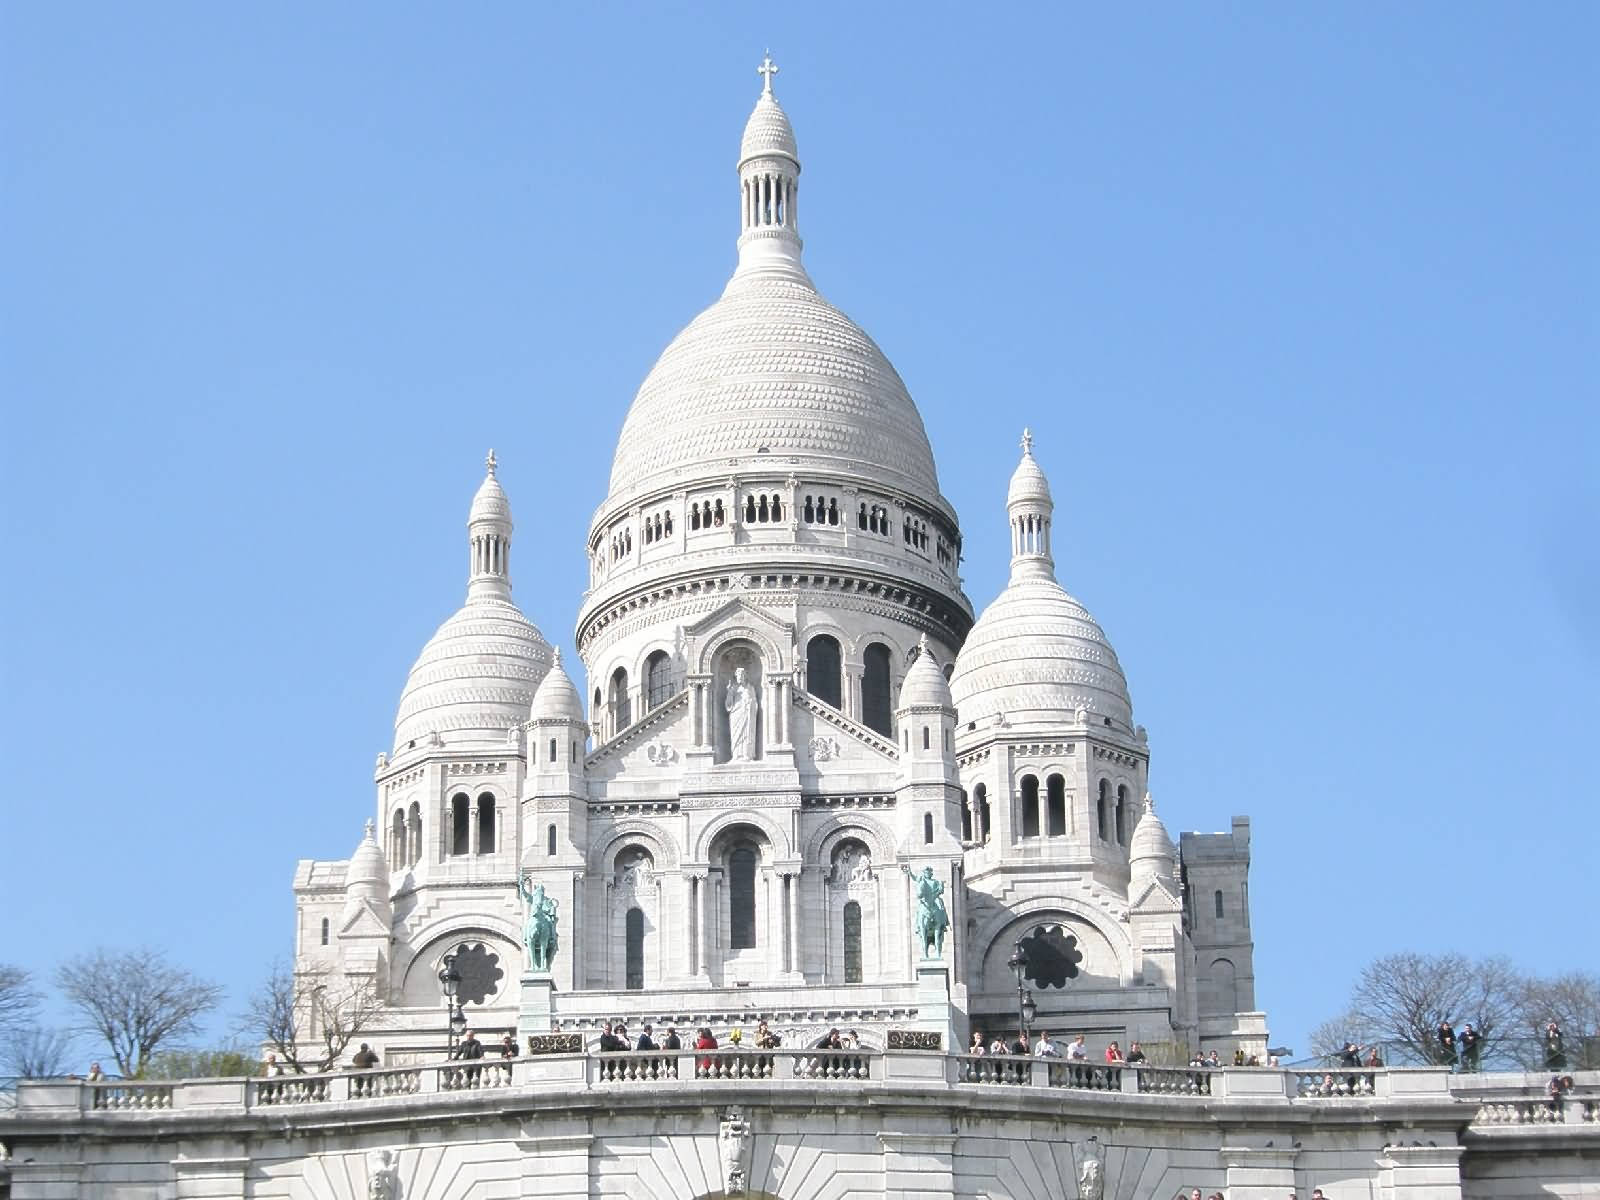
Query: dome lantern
x=1029 y=505
x=769 y=185
x=489 y=536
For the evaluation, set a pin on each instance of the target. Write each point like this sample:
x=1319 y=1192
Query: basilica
x=784 y=711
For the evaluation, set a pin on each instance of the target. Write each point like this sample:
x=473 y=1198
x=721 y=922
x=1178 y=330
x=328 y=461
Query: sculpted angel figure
x=742 y=704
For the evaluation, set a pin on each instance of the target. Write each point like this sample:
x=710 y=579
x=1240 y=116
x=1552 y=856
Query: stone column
x=794 y=922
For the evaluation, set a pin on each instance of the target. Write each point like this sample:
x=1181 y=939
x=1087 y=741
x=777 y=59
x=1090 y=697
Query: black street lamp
x=1027 y=1010
x=455 y=1019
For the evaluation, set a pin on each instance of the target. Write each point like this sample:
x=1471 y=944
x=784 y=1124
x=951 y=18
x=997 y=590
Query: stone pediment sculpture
x=660 y=753
x=733 y=1139
x=383 y=1175
x=824 y=749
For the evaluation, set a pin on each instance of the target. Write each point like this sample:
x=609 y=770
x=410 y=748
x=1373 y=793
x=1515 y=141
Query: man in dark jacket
x=672 y=1041
x=471 y=1049
x=646 y=1042
x=1471 y=1047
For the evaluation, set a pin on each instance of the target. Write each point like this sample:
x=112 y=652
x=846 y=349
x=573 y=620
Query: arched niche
x=738 y=702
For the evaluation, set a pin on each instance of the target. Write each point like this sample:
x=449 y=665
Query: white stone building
x=774 y=509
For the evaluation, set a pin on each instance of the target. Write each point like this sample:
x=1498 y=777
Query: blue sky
x=1300 y=304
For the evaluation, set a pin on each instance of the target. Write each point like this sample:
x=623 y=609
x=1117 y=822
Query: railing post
x=339 y=1087
x=1130 y=1079
x=685 y=1065
x=783 y=1065
x=428 y=1079
x=1039 y=1073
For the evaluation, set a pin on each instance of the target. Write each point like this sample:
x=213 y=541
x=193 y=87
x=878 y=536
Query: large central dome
x=773 y=368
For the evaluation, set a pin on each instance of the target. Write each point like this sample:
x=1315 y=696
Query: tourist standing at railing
x=1044 y=1047
x=1374 y=1059
x=705 y=1042
x=364 y=1059
x=1447 y=1044
x=1114 y=1053
x=1555 y=1058
x=1113 y=1061
x=508 y=1047
x=271 y=1066
x=852 y=1040
x=1135 y=1055
x=672 y=1041
x=1019 y=1044
x=471 y=1051
x=765 y=1038
x=609 y=1042
x=1471 y=1048
x=1078 y=1058
x=95 y=1075
x=646 y=1041
x=977 y=1049
x=620 y=1034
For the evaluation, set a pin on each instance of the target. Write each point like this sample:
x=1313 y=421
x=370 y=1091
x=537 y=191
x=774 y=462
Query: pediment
x=1158 y=896
x=361 y=920
x=739 y=617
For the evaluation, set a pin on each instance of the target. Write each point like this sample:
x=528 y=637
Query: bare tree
x=37 y=1053
x=1402 y=999
x=1328 y=1040
x=19 y=999
x=136 y=1000
x=308 y=1018
x=1572 y=1001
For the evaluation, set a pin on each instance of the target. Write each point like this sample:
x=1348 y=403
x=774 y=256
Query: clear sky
x=1299 y=301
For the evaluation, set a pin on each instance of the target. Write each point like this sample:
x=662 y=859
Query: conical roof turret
x=925 y=685
x=1150 y=850
x=557 y=698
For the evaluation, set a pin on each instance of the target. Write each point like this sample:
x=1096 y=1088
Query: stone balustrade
x=1496 y=1101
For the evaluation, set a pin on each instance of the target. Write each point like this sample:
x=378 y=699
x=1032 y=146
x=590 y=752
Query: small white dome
x=557 y=698
x=925 y=685
x=1036 y=655
x=1150 y=842
x=768 y=131
x=490 y=505
x=367 y=876
x=1028 y=483
x=474 y=679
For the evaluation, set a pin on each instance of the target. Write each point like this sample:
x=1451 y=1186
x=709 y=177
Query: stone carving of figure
x=383 y=1176
x=742 y=704
x=731 y=1138
x=539 y=930
x=931 y=920
x=1091 y=1177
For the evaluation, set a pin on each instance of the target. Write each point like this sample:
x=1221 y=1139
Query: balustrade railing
x=636 y=1066
x=462 y=1077
x=1346 y=1082
x=292 y=1089
x=994 y=1068
x=734 y=1064
x=1520 y=1112
x=373 y=1085
x=1173 y=1081
x=130 y=1096
x=832 y=1064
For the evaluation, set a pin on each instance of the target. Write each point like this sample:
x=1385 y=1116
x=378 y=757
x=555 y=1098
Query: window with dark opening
x=742 y=899
x=486 y=824
x=877 y=704
x=852 y=942
x=635 y=950
x=824 y=670
x=1030 y=806
x=460 y=824
x=1056 y=805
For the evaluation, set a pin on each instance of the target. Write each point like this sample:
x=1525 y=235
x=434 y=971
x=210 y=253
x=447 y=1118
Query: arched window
x=635 y=951
x=414 y=852
x=486 y=824
x=927 y=829
x=966 y=817
x=1103 y=811
x=1055 y=791
x=657 y=679
x=397 y=841
x=852 y=942
x=552 y=749
x=749 y=510
x=824 y=670
x=742 y=899
x=980 y=802
x=1030 y=806
x=877 y=704
x=1122 y=814
x=550 y=841
x=1217 y=897
x=597 y=713
x=325 y=928
x=833 y=512
x=925 y=737
x=621 y=704
x=460 y=824
x=717 y=517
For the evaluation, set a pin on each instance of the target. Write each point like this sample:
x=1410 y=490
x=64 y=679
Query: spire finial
x=557 y=662
x=1027 y=442
x=1149 y=803
x=922 y=645
x=491 y=462
x=372 y=830
x=767 y=70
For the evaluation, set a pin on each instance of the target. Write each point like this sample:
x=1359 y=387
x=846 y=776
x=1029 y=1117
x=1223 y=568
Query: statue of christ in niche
x=743 y=704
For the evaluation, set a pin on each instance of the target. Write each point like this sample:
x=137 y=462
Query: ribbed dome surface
x=1150 y=838
x=475 y=678
x=490 y=503
x=1028 y=483
x=557 y=697
x=772 y=364
x=1036 y=655
x=768 y=131
x=924 y=685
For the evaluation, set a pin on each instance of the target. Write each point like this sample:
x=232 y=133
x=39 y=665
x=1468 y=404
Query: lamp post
x=455 y=1019
x=1027 y=1009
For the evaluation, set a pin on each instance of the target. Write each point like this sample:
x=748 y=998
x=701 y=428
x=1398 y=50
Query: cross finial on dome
x=1027 y=442
x=371 y=830
x=557 y=661
x=491 y=462
x=1149 y=803
x=767 y=70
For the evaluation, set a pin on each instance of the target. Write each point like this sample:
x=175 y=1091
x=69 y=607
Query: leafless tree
x=136 y=1000
x=1329 y=1038
x=1402 y=999
x=308 y=1018
x=37 y=1053
x=1572 y=1001
x=19 y=999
